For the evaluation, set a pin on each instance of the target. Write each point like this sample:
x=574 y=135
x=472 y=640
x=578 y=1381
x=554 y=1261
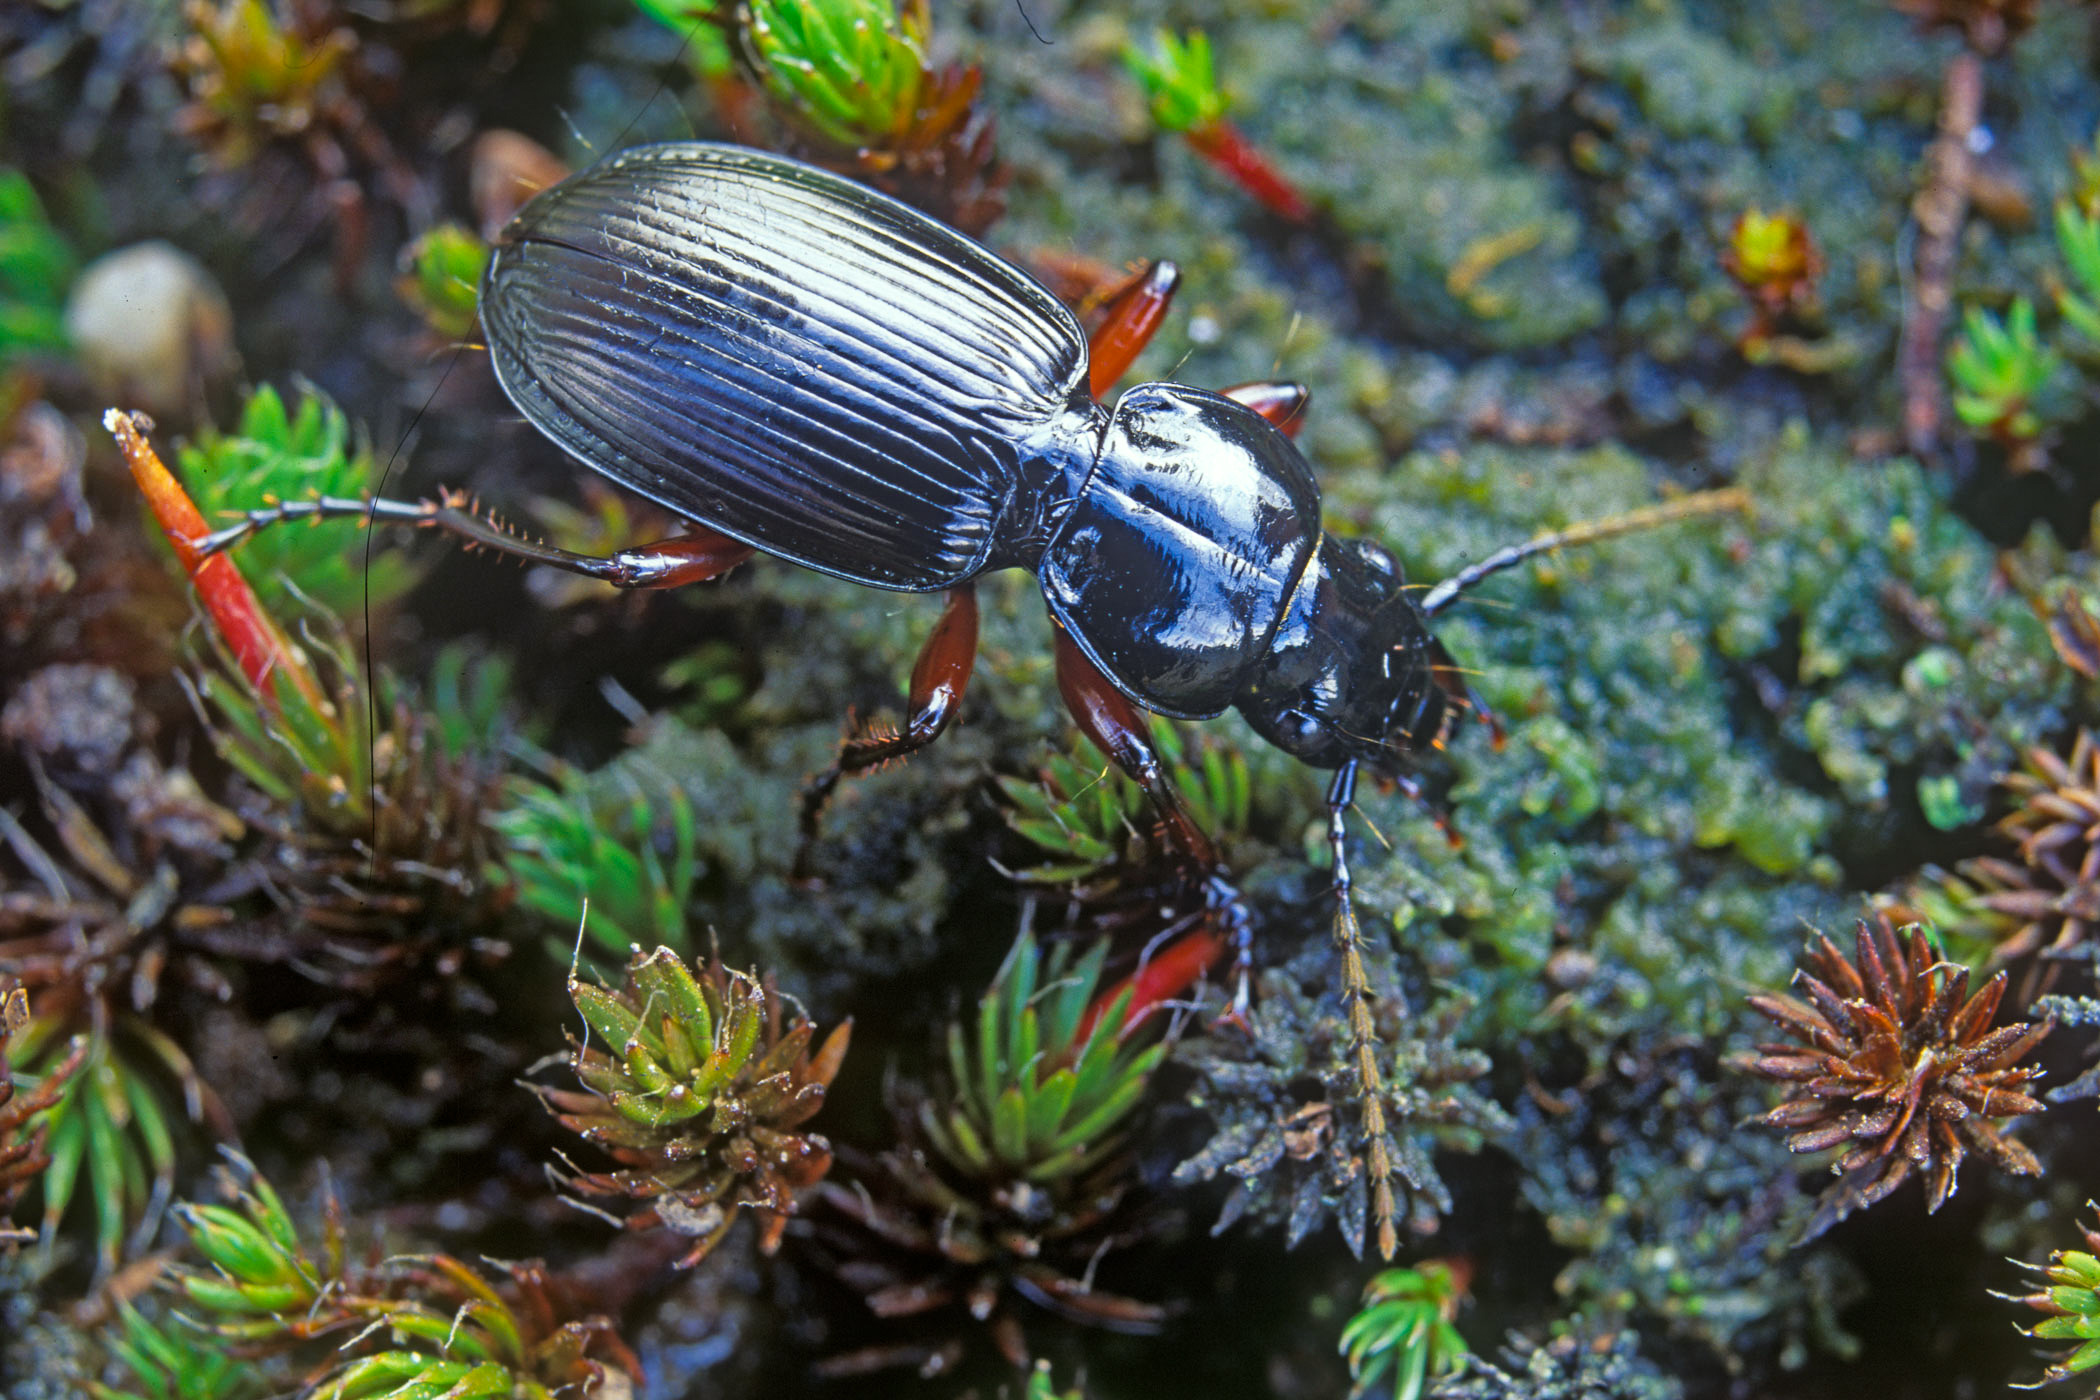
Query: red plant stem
x=258 y=644
x=1159 y=979
x=1222 y=145
x=1940 y=208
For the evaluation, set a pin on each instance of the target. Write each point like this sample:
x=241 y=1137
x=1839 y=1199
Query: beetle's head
x=1353 y=671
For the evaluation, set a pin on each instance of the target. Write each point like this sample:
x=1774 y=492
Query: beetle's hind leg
x=693 y=557
x=937 y=684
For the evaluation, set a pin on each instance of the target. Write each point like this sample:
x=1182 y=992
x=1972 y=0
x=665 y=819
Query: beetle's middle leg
x=937 y=684
x=1108 y=717
x=1118 y=728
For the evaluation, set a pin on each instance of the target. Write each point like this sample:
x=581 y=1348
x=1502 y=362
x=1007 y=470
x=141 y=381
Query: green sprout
x=278 y=454
x=2072 y=1304
x=2006 y=381
x=1085 y=816
x=623 y=863
x=700 y=1095
x=1180 y=81
x=309 y=746
x=1010 y=1183
x=1404 y=1329
x=441 y=278
x=35 y=268
x=1044 y=1084
x=1042 y=1387
x=853 y=69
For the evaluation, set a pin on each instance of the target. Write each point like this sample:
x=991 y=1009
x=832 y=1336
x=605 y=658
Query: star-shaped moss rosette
x=570 y=851
x=1894 y=1062
x=315 y=1318
x=1011 y=1183
x=2042 y=902
x=699 y=1091
x=2070 y=1301
x=288 y=453
x=2008 y=385
x=856 y=78
x=253 y=79
x=2054 y=891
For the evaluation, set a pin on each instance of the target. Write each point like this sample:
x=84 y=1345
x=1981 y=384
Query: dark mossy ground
x=1513 y=314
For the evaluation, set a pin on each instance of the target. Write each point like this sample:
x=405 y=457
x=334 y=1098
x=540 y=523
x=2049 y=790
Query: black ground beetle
x=802 y=366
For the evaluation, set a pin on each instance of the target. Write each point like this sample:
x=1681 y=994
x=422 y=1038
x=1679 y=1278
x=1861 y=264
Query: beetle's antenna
x=662 y=85
x=1363 y=1029
x=1730 y=499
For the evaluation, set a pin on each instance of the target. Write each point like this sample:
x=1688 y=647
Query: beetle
x=799 y=365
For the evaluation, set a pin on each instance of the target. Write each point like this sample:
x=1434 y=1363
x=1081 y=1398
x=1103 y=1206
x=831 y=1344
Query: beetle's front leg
x=937 y=684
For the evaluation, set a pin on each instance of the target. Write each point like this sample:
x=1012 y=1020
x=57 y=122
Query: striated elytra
x=822 y=373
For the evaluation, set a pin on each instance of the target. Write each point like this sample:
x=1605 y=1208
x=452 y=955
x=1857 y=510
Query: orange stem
x=258 y=644
x=1222 y=145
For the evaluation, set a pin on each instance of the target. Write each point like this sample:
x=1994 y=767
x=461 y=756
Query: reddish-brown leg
x=1281 y=403
x=1133 y=314
x=937 y=684
x=1118 y=729
x=693 y=557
